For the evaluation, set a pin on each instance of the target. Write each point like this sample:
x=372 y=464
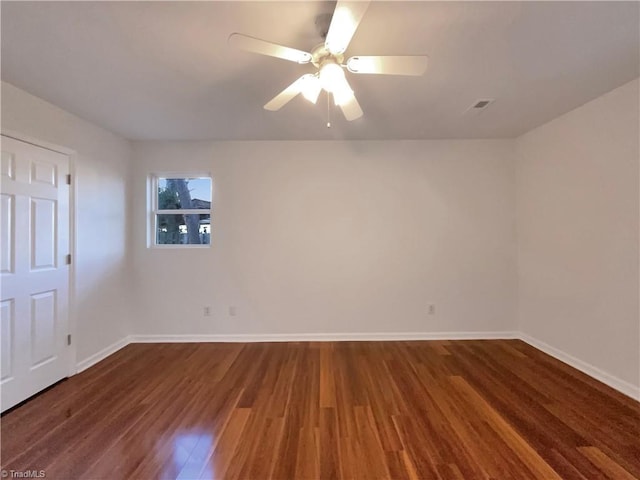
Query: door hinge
x=68 y=179
x=67 y=259
x=69 y=339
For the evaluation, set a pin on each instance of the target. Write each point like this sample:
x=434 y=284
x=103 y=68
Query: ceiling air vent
x=482 y=103
x=479 y=106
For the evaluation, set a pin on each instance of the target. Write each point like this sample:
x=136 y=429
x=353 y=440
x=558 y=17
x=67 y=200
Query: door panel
x=43 y=328
x=34 y=218
x=8 y=234
x=43 y=233
x=43 y=172
x=7 y=165
x=7 y=319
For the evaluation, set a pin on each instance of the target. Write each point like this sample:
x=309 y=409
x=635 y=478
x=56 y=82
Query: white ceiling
x=163 y=70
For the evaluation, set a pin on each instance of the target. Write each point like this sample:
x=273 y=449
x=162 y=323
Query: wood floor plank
x=609 y=467
x=494 y=409
x=307 y=455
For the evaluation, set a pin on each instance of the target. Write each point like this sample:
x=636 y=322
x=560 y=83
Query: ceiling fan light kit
x=311 y=88
x=328 y=59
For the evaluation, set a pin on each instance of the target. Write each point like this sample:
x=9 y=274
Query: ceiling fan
x=328 y=59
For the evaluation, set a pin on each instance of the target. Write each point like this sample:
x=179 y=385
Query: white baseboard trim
x=102 y=354
x=322 y=337
x=611 y=380
x=614 y=382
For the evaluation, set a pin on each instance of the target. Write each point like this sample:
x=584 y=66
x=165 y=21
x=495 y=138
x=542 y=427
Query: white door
x=34 y=243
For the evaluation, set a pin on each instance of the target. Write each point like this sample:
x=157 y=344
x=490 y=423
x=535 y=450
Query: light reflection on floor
x=191 y=452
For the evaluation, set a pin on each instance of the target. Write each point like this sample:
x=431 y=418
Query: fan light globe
x=331 y=76
x=333 y=81
x=311 y=88
x=342 y=96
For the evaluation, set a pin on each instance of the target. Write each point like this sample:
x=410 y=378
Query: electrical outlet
x=232 y=311
x=431 y=309
x=207 y=311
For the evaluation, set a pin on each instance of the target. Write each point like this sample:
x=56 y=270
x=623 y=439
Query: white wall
x=578 y=233
x=102 y=170
x=359 y=237
x=335 y=237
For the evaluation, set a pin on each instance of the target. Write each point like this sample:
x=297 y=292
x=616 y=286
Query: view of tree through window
x=183 y=211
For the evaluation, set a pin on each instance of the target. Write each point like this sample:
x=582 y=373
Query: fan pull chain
x=328 y=110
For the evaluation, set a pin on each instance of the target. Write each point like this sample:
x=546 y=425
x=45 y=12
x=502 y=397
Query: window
x=181 y=213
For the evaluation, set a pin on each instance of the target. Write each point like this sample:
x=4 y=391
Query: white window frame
x=153 y=211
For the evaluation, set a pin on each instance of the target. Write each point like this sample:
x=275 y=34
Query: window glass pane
x=182 y=193
x=177 y=229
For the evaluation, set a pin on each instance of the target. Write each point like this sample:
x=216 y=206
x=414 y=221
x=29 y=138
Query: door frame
x=72 y=324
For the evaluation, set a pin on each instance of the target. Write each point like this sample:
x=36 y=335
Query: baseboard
x=323 y=337
x=614 y=382
x=102 y=354
x=611 y=380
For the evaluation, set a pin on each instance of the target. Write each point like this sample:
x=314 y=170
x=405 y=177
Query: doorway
x=34 y=269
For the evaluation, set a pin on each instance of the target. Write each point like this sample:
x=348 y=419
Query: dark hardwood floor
x=496 y=409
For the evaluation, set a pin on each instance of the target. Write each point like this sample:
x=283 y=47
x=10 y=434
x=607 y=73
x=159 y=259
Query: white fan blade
x=351 y=108
x=344 y=97
x=286 y=95
x=389 y=65
x=344 y=23
x=255 y=45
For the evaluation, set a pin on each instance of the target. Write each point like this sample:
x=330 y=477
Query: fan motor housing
x=320 y=55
